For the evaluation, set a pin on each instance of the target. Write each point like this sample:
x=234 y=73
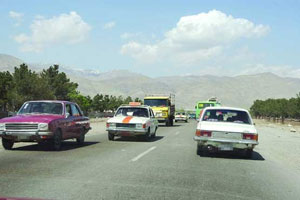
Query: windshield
x=221 y=115
x=180 y=113
x=137 y=112
x=204 y=105
x=156 y=102
x=41 y=108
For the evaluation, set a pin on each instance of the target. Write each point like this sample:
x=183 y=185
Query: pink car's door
x=77 y=117
x=70 y=122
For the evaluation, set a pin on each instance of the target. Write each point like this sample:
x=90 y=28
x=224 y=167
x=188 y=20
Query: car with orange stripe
x=132 y=120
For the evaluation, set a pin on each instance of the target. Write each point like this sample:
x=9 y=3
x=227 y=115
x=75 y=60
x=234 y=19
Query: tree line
x=277 y=108
x=50 y=84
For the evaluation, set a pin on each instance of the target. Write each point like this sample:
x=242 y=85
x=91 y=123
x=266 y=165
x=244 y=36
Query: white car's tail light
x=248 y=136
x=203 y=133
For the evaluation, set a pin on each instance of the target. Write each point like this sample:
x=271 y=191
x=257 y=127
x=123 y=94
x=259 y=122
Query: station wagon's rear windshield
x=41 y=108
x=127 y=111
x=234 y=116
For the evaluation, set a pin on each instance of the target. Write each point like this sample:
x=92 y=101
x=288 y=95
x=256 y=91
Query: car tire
x=147 y=135
x=201 y=151
x=111 y=136
x=154 y=134
x=7 y=144
x=248 y=153
x=57 y=140
x=81 y=138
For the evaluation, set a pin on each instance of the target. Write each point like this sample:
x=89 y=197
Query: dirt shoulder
x=277 y=143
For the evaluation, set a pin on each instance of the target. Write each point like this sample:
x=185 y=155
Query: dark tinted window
x=41 y=108
x=221 y=115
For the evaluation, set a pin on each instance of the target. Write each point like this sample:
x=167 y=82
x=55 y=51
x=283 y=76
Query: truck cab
x=163 y=107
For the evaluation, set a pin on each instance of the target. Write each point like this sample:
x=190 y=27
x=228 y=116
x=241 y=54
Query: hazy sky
x=156 y=38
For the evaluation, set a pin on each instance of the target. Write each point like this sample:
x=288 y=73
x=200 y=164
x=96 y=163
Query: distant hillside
x=7 y=62
x=239 y=91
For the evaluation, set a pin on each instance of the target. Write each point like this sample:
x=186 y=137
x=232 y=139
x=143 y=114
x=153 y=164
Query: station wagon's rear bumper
x=197 y=138
x=218 y=142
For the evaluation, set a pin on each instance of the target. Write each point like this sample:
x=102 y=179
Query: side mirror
x=67 y=115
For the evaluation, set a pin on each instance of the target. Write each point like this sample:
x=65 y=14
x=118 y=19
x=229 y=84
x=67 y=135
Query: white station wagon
x=225 y=129
x=132 y=120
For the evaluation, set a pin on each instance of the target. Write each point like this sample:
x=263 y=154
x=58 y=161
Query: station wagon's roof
x=225 y=108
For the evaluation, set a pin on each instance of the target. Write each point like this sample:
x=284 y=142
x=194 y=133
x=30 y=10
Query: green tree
x=98 y=103
x=6 y=90
x=29 y=86
x=127 y=100
x=84 y=102
x=59 y=83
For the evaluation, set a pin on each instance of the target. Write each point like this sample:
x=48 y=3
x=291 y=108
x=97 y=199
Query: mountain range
x=237 y=91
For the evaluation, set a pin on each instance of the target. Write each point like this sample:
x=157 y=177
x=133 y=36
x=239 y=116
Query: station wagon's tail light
x=203 y=133
x=107 y=125
x=144 y=125
x=247 y=136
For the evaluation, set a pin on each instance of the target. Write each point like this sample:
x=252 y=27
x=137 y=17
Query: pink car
x=45 y=122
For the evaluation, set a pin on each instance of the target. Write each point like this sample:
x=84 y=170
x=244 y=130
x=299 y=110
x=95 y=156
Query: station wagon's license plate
x=125 y=133
x=226 y=147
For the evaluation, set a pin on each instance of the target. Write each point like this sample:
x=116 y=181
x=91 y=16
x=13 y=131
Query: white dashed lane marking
x=143 y=154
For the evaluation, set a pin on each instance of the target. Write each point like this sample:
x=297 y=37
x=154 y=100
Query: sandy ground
x=281 y=142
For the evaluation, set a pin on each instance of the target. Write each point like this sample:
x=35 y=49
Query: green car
x=212 y=102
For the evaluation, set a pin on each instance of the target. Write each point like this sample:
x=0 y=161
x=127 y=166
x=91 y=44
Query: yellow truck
x=163 y=107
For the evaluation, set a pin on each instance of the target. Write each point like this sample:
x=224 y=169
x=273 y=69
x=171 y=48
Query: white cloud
x=62 y=29
x=196 y=38
x=18 y=17
x=126 y=35
x=109 y=25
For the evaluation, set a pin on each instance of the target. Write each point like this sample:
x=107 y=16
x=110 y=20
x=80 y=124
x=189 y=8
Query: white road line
x=177 y=133
x=142 y=154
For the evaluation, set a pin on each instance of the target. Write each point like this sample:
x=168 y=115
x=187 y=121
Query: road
x=165 y=168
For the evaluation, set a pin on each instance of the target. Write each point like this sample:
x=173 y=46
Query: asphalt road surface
x=164 y=168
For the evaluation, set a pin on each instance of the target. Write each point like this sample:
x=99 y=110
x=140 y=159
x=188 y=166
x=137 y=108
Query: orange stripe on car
x=127 y=119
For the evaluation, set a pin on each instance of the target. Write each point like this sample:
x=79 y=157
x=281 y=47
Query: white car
x=132 y=120
x=181 y=116
x=225 y=129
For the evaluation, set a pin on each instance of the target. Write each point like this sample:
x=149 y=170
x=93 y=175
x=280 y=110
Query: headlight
x=2 y=126
x=140 y=126
x=43 y=126
x=111 y=125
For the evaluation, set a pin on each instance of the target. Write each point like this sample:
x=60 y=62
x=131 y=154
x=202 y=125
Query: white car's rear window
x=222 y=115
